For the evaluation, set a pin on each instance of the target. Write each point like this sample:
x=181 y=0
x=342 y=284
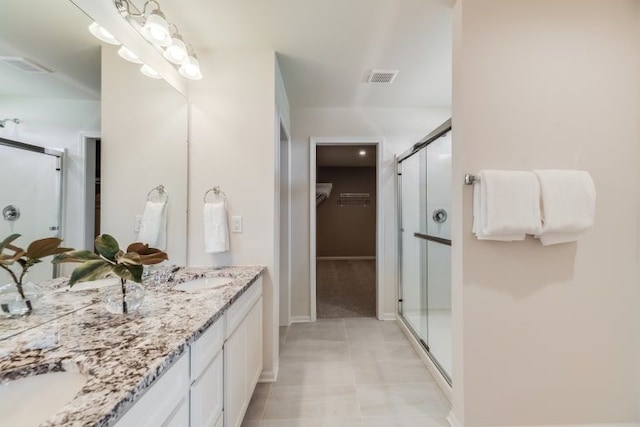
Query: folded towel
x=568 y=204
x=216 y=229
x=506 y=205
x=153 y=225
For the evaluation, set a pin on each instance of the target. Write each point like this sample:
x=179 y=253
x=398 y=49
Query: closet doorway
x=345 y=228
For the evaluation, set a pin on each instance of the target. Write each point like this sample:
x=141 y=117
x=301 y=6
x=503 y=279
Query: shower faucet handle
x=11 y=213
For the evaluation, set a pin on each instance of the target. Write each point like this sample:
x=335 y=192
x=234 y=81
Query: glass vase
x=124 y=299
x=11 y=302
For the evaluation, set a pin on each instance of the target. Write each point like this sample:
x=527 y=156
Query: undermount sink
x=30 y=401
x=204 y=283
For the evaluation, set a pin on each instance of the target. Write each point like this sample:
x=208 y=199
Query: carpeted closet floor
x=346 y=288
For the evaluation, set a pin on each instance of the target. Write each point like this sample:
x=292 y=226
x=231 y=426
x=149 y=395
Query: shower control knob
x=439 y=216
x=11 y=213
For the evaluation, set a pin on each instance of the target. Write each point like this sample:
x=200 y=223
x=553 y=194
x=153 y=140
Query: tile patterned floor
x=352 y=372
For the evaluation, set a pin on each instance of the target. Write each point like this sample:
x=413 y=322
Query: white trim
x=452 y=420
x=345 y=258
x=389 y=316
x=269 y=376
x=314 y=142
x=300 y=319
x=82 y=177
x=442 y=383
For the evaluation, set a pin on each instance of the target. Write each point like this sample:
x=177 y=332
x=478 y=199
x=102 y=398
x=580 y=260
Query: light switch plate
x=236 y=224
x=136 y=223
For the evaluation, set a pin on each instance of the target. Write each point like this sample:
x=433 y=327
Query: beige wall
x=400 y=128
x=144 y=144
x=547 y=335
x=349 y=230
x=233 y=145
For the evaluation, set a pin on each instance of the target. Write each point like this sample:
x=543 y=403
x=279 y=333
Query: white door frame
x=281 y=125
x=84 y=182
x=314 y=142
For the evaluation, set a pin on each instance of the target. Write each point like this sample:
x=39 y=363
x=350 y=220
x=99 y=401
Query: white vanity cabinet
x=212 y=383
x=242 y=354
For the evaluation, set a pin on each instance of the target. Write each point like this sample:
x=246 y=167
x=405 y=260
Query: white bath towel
x=216 y=228
x=153 y=225
x=568 y=204
x=506 y=205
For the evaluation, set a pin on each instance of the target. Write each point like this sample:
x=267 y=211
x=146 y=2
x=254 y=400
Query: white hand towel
x=216 y=229
x=568 y=205
x=153 y=225
x=506 y=205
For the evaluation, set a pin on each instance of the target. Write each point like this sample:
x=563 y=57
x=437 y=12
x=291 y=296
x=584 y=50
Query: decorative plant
x=111 y=259
x=36 y=250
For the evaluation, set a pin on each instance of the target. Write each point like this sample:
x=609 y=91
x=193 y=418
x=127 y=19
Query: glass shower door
x=30 y=200
x=425 y=269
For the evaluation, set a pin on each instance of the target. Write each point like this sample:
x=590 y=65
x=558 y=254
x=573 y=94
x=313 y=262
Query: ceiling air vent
x=382 y=76
x=23 y=64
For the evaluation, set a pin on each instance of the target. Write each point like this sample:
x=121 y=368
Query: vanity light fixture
x=126 y=54
x=102 y=34
x=153 y=26
x=150 y=72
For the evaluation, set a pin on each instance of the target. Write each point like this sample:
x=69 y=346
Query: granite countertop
x=120 y=355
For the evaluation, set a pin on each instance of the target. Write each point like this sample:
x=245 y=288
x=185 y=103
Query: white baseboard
x=388 y=316
x=452 y=420
x=344 y=258
x=300 y=319
x=442 y=383
x=269 y=376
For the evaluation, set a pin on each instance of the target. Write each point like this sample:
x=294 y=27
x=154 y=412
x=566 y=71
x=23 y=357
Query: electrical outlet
x=236 y=224
x=136 y=223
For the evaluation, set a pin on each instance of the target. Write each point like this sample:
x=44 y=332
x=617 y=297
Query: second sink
x=204 y=283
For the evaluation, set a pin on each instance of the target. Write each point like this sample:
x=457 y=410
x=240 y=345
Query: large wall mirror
x=122 y=134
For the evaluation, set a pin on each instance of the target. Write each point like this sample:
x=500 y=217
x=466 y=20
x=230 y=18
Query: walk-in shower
x=424 y=206
x=30 y=196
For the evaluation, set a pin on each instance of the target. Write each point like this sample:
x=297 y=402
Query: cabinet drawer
x=161 y=400
x=242 y=306
x=206 y=395
x=206 y=347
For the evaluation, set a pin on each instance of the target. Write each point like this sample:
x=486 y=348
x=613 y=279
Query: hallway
x=354 y=372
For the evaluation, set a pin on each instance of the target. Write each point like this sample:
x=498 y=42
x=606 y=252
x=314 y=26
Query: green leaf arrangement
x=111 y=259
x=38 y=249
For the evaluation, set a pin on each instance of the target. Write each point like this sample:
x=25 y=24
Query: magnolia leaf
x=75 y=256
x=130 y=258
x=107 y=246
x=7 y=241
x=129 y=272
x=153 y=258
x=44 y=247
x=90 y=270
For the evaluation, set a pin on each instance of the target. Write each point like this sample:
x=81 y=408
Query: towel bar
x=215 y=190
x=471 y=179
x=161 y=192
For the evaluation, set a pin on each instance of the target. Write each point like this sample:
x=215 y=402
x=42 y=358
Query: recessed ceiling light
x=362 y=153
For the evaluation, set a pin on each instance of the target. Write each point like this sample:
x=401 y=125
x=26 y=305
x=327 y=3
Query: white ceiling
x=54 y=34
x=325 y=48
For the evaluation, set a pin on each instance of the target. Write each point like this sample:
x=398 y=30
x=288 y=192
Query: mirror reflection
x=50 y=81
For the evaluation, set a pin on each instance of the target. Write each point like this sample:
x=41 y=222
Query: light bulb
x=102 y=34
x=177 y=52
x=149 y=72
x=127 y=54
x=156 y=29
x=191 y=69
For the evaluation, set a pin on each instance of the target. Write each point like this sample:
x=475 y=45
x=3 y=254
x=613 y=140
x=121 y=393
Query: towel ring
x=161 y=192
x=216 y=191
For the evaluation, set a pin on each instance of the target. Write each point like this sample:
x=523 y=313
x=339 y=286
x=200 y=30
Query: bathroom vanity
x=188 y=358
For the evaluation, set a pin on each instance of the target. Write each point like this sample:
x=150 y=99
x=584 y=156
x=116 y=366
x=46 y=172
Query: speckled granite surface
x=121 y=355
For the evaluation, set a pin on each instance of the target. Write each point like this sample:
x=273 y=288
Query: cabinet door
x=253 y=345
x=180 y=416
x=234 y=378
x=206 y=395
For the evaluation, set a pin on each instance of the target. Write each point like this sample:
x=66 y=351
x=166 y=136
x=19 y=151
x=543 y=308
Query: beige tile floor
x=354 y=372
